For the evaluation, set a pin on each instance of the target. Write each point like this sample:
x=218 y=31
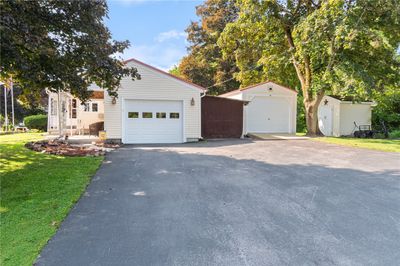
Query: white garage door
x=268 y=115
x=148 y=121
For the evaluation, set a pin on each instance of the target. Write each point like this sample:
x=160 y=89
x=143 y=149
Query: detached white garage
x=338 y=118
x=272 y=108
x=158 y=108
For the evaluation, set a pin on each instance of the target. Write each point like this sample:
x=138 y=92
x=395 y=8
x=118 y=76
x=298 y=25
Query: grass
x=388 y=145
x=37 y=192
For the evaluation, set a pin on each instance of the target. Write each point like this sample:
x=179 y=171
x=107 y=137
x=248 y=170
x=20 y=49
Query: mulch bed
x=61 y=147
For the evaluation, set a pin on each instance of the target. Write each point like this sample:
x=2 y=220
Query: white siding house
x=158 y=108
x=73 y=117
x=337 y=118
x=272 y=108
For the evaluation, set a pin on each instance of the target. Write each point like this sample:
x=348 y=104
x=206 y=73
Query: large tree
x=325 y=46
x=60 y=45
x=205 y=64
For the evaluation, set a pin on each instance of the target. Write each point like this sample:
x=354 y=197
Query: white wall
x=344 y=114
x=87 y=118
x=153 y=86
x=333 y=122
x=353 y=112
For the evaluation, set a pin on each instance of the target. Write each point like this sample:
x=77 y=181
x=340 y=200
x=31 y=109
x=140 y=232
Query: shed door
x=325 y=119
x=268 y=115
x=150 y=121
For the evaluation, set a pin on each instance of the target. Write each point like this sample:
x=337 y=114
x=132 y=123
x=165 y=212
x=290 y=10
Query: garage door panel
x=268 y=115
x=153 y=130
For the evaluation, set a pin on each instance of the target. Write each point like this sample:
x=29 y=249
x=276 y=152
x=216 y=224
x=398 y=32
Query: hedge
x=36 y=122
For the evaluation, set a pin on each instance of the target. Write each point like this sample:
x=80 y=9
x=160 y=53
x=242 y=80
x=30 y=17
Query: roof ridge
x=164 y=72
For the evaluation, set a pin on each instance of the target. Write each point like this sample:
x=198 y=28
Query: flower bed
x=61 y=147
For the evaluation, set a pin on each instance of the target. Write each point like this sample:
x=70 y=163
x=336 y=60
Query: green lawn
x=37 y=191
x=375 y=144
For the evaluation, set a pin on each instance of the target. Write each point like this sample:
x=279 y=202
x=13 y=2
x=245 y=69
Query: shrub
x=387 y=109
x=395 y=134
x=36 y=122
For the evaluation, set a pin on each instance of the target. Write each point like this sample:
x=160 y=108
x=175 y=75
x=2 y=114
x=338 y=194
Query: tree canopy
x=328 y=46
x=205 y=65
x=60 y=45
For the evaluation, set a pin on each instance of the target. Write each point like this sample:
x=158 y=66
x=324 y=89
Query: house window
x=133 y=115
x=73 y=108
x=147 y=115
x=53 y=106
x=94 y=107
x=86 y=107
x=174 y=115
x=161 y=115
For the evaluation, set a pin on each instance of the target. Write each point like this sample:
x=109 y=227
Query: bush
x=387 y=109
x=395 y=134
x=36 y=122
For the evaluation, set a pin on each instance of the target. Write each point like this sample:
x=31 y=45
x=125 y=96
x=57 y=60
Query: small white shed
x=337 y=117
x=272 y=108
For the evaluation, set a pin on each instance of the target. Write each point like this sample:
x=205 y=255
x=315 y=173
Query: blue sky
x=155 y=28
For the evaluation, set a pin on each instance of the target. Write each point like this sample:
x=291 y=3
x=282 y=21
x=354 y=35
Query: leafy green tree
x=205 y=65
x=345 y=47
x=60 y=45
x=387 y=109
x=175 y=71
x=24 y=104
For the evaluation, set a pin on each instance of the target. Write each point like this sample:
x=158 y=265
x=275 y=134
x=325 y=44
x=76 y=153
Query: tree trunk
x=311 y=118
x=311 y=113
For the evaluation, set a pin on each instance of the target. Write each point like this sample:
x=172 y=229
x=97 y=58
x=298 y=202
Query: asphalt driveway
x=236 y=203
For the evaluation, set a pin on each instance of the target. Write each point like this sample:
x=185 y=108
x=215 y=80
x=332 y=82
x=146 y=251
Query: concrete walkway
x=266 y=136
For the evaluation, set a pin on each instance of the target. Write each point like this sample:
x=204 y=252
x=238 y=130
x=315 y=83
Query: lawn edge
x=40 y=249
x=319 y=139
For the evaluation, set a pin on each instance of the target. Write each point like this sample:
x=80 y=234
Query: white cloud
x=172 y=34
x=162 y=57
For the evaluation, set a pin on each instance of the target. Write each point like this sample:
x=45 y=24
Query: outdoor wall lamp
x=270 y=89
x=114 y=100
x=192 y=102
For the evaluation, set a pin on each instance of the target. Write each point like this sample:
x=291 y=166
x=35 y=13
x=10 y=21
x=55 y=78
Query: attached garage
x=271 y=108
x=158 y=108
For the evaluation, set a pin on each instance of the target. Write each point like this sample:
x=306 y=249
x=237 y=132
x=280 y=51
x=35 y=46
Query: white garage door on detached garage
x=271 y=108
x=149 y=121
x=158 y=108
x=269 y=115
